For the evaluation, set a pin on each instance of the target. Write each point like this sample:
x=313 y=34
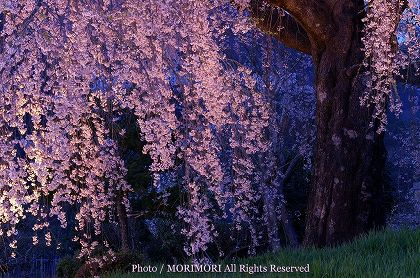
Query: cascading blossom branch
x=57 y=146
x=58 y=134
x=384 y=59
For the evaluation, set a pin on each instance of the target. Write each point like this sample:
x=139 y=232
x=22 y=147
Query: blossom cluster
x=69 y=70
x=387 y=24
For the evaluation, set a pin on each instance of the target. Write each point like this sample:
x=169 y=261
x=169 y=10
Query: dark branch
x=291 y=167
x=281 y=26
x=312 y=15
x=22 y=27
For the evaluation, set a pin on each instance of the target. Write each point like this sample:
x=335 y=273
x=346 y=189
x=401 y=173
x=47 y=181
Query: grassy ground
x=380 y=254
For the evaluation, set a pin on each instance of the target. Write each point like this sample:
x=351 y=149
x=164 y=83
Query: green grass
x=383 y=254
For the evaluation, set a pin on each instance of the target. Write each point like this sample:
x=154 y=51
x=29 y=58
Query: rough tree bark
x=349 y=155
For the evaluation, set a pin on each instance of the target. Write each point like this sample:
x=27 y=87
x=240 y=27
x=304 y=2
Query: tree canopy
x=69 y=70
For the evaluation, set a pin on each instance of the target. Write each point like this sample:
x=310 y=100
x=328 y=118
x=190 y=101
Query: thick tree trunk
x=349 y=156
